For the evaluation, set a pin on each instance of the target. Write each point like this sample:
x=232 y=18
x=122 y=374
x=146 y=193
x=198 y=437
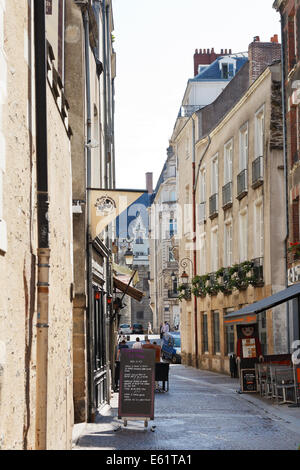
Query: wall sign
x=248 y=380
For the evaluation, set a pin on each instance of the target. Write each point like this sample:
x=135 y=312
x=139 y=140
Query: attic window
x=227 y=71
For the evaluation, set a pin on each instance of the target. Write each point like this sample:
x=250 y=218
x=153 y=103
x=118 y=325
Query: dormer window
x=227 y=68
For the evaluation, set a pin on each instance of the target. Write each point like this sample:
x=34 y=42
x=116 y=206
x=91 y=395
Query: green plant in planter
x=199 y=288
x=184 y=292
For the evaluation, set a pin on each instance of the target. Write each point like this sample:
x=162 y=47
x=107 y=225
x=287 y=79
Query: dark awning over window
x=248 y=314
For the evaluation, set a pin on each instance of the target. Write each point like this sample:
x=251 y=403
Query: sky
x=155 y=41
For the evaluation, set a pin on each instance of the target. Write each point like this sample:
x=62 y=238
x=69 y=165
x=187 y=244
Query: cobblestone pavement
x=201 y=411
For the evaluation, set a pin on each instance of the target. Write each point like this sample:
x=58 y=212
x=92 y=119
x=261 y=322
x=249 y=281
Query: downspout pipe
x=283 y=94
x=90 y=333
x=194 y=239
x=42 y=224
x=104 y=92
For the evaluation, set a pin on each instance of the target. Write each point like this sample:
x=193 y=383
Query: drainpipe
x=194 y=239
x=104 y=91
x=285 y=173
x=42 y=223
x=90 y=335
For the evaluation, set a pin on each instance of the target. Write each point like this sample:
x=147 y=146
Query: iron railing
x=188 y=109
x=242 y=184
x=257 y=172
x=227 y=195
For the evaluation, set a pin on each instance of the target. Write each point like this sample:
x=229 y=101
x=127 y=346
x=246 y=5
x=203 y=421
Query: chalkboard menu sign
x=137 y=381
x=248 y=380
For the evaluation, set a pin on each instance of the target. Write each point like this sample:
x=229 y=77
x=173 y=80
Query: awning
x=131 y=291
x=248 y=314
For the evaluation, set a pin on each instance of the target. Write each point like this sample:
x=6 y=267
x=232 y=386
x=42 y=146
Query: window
x=259 y=133
x=172 y=227
x=243 y=160
x=225 y=71
x=228 y=150
x=202 y=254
x=202 y=186
x=230 y=339
x=243 y=241
x=171 y=254
x=258 y=230
x=140 y=315
x=216 y=321
x=228 y=244
x=205 y=333
x=214 y=249
x=214 y=175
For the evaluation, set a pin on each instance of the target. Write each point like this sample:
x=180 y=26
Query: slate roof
x=213 y=72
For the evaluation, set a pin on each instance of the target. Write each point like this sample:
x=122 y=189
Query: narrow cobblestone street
x=201 y=411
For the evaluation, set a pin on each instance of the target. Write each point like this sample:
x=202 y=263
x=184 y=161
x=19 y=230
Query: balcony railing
x=202 y=213
x=227 y=195
x=242 y=184
x=213 y=206
x=257 y=172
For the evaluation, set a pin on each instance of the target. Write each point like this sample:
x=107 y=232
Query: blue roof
x=213 y=72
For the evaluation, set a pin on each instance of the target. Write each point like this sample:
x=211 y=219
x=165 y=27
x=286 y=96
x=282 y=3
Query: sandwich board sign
x=137 y=383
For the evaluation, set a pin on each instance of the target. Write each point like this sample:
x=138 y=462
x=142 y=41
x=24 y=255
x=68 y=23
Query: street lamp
x=185 y=281
x=129 y=257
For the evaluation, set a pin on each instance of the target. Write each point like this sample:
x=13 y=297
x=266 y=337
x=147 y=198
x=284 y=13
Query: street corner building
x=53 y=276
x=231 y=176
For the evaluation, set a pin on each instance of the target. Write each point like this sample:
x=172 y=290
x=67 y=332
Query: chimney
x=149 y=183
x=262 y=54
x=204 y=57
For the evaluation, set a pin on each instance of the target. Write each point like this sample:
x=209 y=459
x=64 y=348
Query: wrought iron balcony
x=213 y=206
x=202 y=213
x=257 y=172
x=227 y=195
x=242 y=184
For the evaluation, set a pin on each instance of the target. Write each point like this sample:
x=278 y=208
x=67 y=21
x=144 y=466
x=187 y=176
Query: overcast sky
x=155 y=41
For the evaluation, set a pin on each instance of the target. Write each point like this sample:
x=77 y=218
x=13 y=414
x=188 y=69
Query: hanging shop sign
x=107 y=205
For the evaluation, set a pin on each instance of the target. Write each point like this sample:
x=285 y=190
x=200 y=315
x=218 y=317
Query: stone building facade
x=238 y=162
x=290 y=31
x=163 y=247
x=21 y=272
x=89 y=86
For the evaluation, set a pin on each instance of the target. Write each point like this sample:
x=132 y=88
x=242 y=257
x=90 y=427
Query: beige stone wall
x=60 y=357
x=17 y=265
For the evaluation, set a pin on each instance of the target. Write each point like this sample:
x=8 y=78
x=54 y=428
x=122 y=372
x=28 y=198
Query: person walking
x=150 y=332
x=137 y=344
x=122 y=345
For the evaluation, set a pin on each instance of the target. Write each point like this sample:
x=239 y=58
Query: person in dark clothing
x=122 y=345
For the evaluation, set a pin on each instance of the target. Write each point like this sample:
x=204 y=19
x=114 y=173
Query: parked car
x=124 y=329
x=137 y=328
x=171 y=347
